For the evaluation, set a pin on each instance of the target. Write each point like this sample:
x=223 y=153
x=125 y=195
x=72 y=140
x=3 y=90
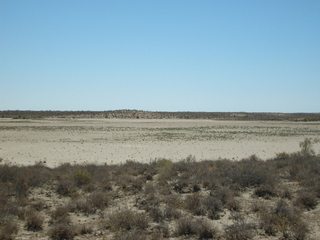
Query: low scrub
x=163 y=199
x=34 y=221
x=126 y=220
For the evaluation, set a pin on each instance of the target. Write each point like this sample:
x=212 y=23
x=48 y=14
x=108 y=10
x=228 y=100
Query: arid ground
x=148 y=179
x=56 y=141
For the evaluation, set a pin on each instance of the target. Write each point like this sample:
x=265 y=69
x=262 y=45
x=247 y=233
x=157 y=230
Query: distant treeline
x=138 y=114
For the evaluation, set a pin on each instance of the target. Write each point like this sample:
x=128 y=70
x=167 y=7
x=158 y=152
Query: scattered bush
x=164 y=168
x=204 y=229
x=34 y=221
x=240 y=229
x=160 y=232
x=61 y=212
x=150 y=190
x=285 y=220
x=156 y=214
x=66 y=187
x=127 y=220
x=82 y=205
x=62 y=231
x=170 y=212
x=213 y=206
x=185 y=227
x=306 y=147
x=82 y=177
x=265 y=191
x=193 y=204
x=38 y=205
x=85 y=229
x=282 y=156
x=306 y=199
x=7 y=230
x=99 y=200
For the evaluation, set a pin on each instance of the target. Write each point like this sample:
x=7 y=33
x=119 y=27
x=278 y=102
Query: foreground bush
x=285 y=220
x=126 y=220
x=8 y=229
x=34 y=221
x=61 y=231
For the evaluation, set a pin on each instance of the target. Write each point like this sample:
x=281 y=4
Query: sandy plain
x=111 y=141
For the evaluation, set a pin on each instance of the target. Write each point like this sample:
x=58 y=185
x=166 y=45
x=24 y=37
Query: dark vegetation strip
x=137 y=114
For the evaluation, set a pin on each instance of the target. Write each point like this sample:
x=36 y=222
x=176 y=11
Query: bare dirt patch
x=111 y=141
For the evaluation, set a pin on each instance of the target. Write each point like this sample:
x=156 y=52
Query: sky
x=164 y=55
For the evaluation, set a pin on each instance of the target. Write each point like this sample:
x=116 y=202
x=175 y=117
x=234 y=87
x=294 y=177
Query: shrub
x=265 y=191
x=204 y=229
x=239 y=231
x=233 y=205
x=127 y=220
x=282 y=156
x=286 y=193
x=250 y=173
x=186 y=165
x=156 y=214
x=182 y=185
x=306 y=199
x=133 y=168
x=224 y=194
x=39 y=205
x=62 y=231
x=61 y=212
x=185 y=226
x=137 y=184
x=100 y=200
x=306 y=147
x=21 y=187
x=8 y=229
x=150 y=190
x=82 y=205
x=285 y=220
x=174 y=200
x=193 y=204
x=82 y=177
x=170 y=212
x=66 y=187
x=7 y=205
x=85 y=229
x=38 y=174
x=213 y=206
x=34 y=221
x=164 y=168
x=160 y=232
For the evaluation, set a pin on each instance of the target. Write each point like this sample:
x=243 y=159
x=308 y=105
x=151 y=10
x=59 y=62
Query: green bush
x=82 y=177
x=164 y=168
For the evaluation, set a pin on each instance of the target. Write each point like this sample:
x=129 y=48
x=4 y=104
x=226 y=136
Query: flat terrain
x=111 y=141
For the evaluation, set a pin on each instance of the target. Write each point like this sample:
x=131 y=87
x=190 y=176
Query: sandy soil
x=113 y=141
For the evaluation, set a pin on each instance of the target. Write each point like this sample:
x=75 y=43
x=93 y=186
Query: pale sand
x=113 y=141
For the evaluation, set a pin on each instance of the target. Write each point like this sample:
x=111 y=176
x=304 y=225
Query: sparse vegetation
x=163 y=199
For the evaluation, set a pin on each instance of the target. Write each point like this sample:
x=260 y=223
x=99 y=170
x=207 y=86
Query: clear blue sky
x=164 y=55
